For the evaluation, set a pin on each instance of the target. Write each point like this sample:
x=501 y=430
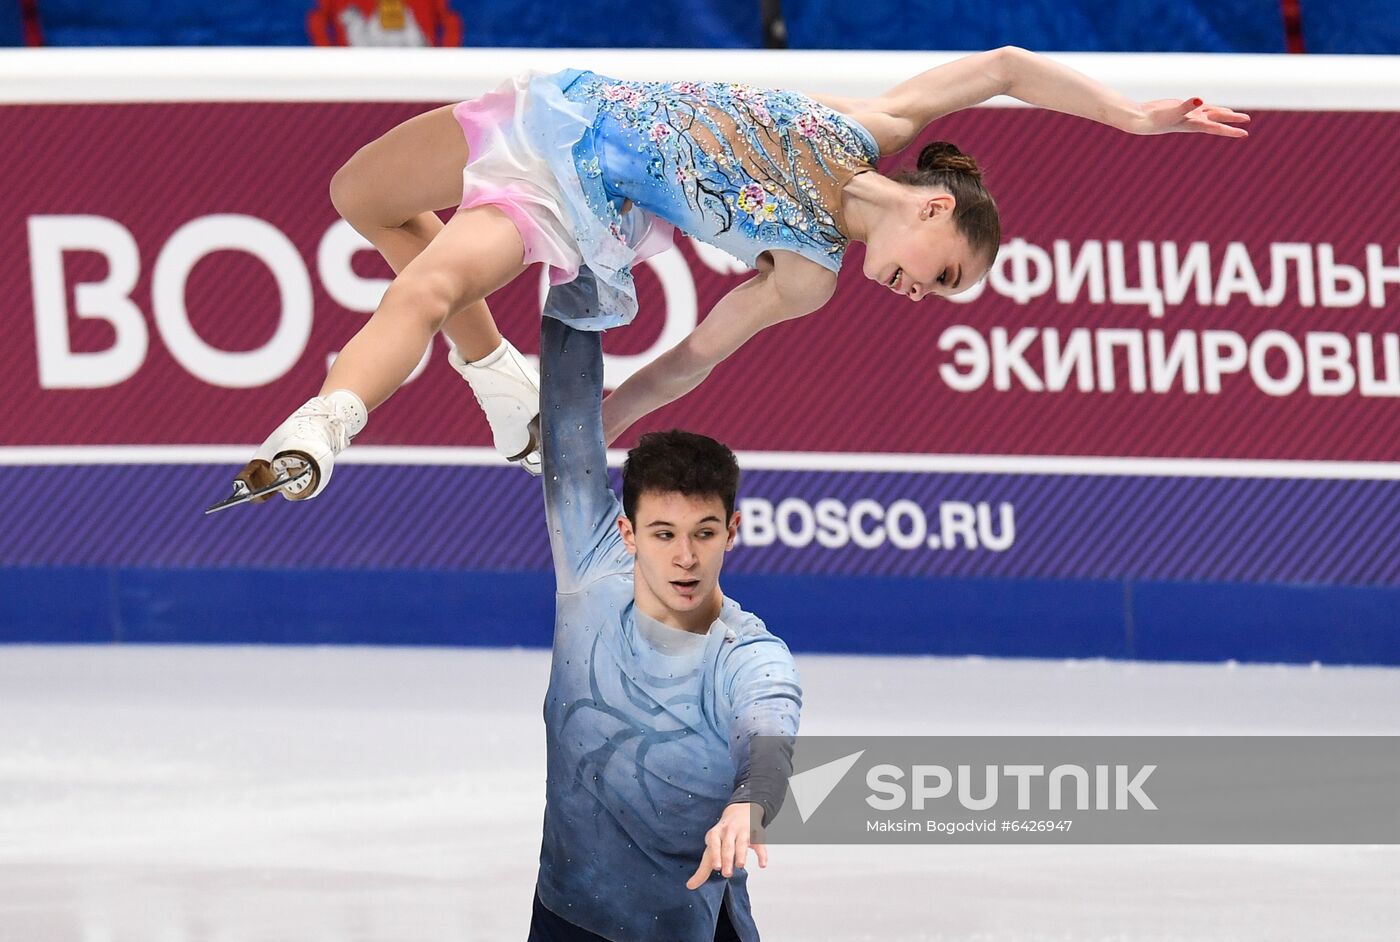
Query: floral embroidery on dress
x=763 y=164
x=754 y=201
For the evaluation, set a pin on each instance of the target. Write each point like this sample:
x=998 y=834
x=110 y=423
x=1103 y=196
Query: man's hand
x=1167 y=115
x=727 y=845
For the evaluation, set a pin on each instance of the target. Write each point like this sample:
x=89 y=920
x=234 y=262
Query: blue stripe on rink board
x=1180 y=621
x=431 y=517
x=1285 y=623
x=894 y=615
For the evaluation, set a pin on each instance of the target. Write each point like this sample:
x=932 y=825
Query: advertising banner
x=1166 y=425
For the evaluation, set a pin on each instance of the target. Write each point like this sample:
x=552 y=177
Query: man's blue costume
x=648 y=726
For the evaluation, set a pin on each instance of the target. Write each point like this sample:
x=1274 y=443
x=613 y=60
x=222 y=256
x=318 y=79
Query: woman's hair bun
x=943 y=157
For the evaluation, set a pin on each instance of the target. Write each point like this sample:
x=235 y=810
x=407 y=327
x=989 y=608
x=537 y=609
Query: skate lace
x=320 y=419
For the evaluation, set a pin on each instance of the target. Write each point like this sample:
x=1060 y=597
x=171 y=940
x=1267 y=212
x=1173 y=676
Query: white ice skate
x=508 y=390
x=298 y=457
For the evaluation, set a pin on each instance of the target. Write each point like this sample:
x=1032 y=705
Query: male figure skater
x=658 y=682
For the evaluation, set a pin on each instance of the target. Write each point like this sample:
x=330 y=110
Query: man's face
x=679 y=542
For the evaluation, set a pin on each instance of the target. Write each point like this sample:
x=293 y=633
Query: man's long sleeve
x=581 y=508
x=765 y=699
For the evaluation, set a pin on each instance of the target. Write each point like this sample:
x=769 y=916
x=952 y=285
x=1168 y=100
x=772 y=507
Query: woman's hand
x=1168 y=115
x=1041 y=81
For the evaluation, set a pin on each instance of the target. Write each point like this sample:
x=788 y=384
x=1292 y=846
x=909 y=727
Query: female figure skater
x=579 y=171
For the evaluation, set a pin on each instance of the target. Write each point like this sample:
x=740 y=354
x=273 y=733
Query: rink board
x=1166 y=621
x=1167 y=426
x=1151 y=567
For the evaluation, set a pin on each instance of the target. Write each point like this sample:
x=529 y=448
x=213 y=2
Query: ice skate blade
x=533 y=468
x=242 y=493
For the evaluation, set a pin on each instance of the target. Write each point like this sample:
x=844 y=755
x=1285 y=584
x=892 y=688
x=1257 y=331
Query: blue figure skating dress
x=595 y=172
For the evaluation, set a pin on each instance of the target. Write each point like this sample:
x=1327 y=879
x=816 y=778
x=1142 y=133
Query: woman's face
x=919 y=253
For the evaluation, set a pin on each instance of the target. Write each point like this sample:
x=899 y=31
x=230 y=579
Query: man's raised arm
x=581 y=508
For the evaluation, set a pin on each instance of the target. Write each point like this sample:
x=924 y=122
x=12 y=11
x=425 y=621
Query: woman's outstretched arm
x=791 y=287
x=914 y=104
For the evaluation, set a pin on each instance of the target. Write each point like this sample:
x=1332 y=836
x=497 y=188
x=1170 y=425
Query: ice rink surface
x=174 y=794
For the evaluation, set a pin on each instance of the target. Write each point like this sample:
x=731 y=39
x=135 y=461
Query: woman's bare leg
x=389 y=191
x=477 y=252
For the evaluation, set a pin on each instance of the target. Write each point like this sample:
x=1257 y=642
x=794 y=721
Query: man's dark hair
x=679 y=462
